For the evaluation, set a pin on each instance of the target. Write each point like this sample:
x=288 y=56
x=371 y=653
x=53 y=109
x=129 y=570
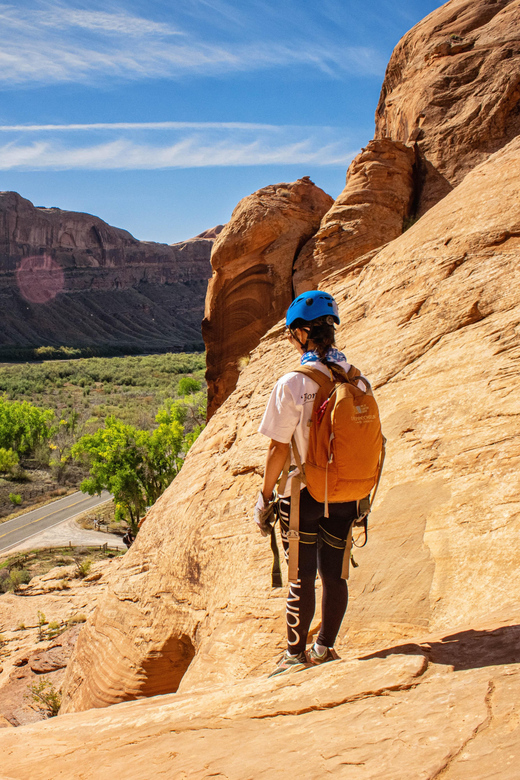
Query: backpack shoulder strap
x=314 y=373
x=354 y=375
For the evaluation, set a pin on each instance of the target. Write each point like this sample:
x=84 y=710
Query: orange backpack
x=345 y=439
x=346 y=452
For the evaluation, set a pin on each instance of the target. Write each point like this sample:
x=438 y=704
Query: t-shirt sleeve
x=282 y=414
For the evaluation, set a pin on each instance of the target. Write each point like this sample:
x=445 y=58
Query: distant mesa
x=70 y=279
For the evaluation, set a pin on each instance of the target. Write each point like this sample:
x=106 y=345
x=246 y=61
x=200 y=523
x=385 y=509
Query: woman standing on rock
x=310 y=322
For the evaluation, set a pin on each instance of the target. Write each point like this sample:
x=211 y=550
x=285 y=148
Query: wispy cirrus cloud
x=138 y=146
x=48 y=42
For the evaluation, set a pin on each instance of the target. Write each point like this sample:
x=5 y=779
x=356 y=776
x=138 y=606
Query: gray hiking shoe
x=316 y=659
x=291 y=663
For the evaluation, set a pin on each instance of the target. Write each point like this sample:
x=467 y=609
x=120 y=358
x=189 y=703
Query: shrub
x=46 y=697
x=54 y=629
x=16 y=578
x=8 y=460
x=15 y=499
x=83 y=567
x=42 y=621
x=79 y=618
x=187 y=386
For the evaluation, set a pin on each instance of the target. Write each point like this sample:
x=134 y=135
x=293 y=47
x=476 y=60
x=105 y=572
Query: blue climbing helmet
x=311 y=305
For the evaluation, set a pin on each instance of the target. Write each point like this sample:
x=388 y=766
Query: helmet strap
x=295 y=337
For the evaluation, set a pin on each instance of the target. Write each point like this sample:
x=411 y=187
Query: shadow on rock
x=466 y=649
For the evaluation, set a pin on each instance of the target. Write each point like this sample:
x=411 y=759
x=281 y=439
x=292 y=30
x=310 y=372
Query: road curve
x=13 y=532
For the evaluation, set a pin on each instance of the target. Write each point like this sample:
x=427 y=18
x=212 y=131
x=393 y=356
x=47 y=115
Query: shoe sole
x=287 y=670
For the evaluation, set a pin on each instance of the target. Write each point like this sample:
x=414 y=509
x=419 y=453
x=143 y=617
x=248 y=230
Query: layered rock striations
x=452 y=87
x=71 y=279
x=252 y=262
x=434 y=321
x=371 y=211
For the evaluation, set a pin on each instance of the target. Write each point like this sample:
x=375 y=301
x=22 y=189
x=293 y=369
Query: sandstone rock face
x=369 y=212
x=252 y=262
x=444 y=708
x=453 y=87
x=71 y=279
x=434 y=321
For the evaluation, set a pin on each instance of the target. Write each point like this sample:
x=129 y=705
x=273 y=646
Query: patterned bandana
x=334 y=355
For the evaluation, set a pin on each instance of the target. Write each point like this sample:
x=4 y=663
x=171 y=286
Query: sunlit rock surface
x=452 y=87
x=433 y=321
x=371 y=211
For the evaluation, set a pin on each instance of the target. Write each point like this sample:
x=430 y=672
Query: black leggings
x=317 y=553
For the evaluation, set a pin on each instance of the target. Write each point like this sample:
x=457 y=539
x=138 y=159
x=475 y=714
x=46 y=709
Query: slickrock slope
x=70 y=279
x=252 y=262
x=434 y=320
x=369 y=212
x=397 y=718
x=452 y=86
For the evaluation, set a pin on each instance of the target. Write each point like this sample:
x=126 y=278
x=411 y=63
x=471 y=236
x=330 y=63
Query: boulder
x=252 y=262
x=70 y=279
x=434 y=321
x=371 y=211
x=452 y=87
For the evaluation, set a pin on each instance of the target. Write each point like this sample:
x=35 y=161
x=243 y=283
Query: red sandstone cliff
x=104 y=288
x=450 y=98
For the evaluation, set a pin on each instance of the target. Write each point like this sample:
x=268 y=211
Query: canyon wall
x=370 y=211
x=450 y=98
x=70 y=279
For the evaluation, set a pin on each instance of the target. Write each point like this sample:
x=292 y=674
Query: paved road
x=31 y=523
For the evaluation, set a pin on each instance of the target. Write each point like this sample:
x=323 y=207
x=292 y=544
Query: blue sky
x=160 y=116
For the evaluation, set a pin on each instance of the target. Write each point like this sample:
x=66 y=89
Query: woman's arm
x=276 y=457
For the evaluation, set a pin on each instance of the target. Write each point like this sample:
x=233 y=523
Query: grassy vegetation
x=80 y=397
x=131 y=388
x=21 y=567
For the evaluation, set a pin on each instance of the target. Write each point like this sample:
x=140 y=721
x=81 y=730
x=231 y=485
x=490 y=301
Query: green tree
x=115 y=460
x=136 y=466
x=23 y=426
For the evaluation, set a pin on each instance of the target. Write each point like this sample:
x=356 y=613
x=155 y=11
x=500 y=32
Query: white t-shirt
x=289 y=409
